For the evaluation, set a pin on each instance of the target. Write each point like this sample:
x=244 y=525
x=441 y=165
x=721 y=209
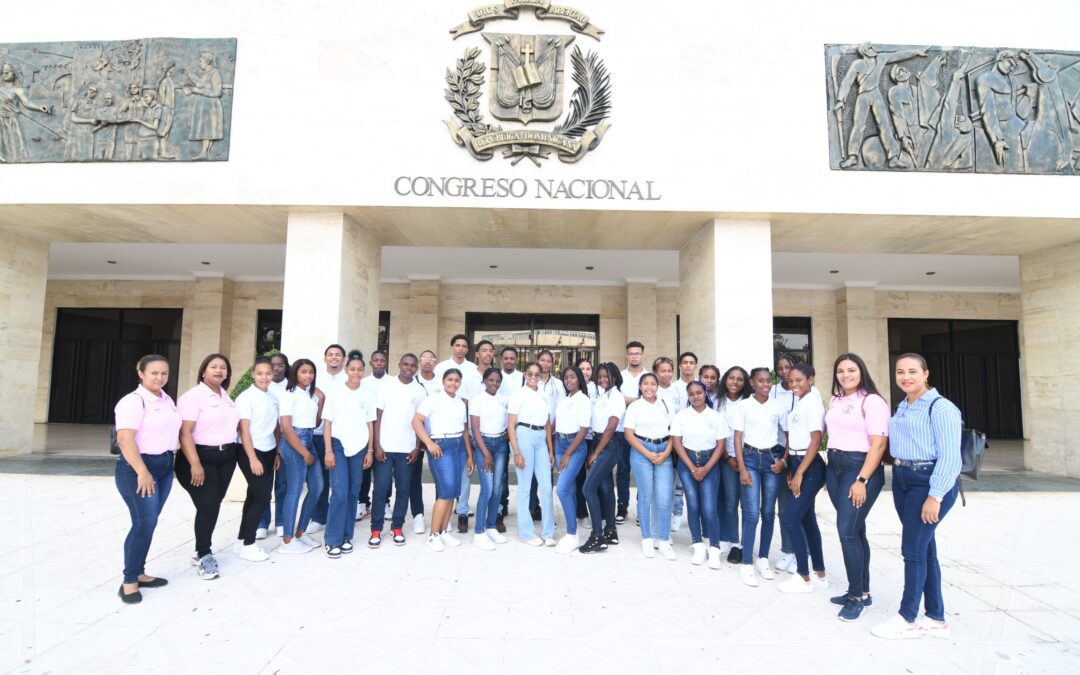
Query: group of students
x=723 y=442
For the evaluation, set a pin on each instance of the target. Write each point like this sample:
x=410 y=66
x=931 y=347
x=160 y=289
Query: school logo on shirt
x=526 y=78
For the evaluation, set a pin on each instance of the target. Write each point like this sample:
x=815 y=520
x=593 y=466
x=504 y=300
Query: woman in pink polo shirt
x=208 y=441
x=147 y=427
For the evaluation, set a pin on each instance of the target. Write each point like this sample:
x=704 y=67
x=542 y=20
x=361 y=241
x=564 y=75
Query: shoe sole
x=399 y=543
x=370 y=545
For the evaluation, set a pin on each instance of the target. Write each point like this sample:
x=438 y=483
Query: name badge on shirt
x=774 y=419
x=848 y=409
x=795 y=417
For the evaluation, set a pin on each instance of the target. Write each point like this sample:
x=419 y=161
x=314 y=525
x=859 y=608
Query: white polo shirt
x=807 y=416
x=373 y=384
x=491 y=410
x=511 y=382
x=728 y=409
x=531 y=406
x=468 y=369
x=630 y=382
x=325 y=381
x=608 y=404
x=651 y=420
x=349 y=411
x=278 y=388
x=572 y=413
x=445 y=414
x=700 y=430
x=682 y=388
x=785 y=399
x=399 y=402
x=260 y=408
x=554 y=390
x=672 y=396
x=301 y=406
x=431 y=386
x=758 y=421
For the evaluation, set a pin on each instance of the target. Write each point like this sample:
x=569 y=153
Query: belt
x=914 y=464
x=445 y=436
x=494 y=437
x=534 y=427
x=563 y=436
x=221 y=448
x=750 y=448
x=798 y=453
x=849 y=452
x=699 y=453
x=654 y=441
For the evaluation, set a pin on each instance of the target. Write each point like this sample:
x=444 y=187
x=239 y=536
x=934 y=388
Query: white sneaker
x=362 y=512
x=667 y=551
x=819 y=583
x=308 y=541
x=237 y=546
x=261 y=533
x=495 y=536
x=567 y=544
x=418 y=524
x=435 y=542
x=794 y=585
x=762 y=567
x=931 y=628
x=697 y=556
x=746 y=573
x=253 y=553
x=785 y=561
x=896 y=628
x=647 y=548
x=715 y=558
x=550 y=541
x=676 y=523
x=725 y=548
x=294 y=546
x=314 y=527
x=535 y=541
x=449 y=539
x=279 y=531
x=482 y=542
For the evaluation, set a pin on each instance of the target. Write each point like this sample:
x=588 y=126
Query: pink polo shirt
x=215 y=415
x=850 y=423
x=154 y=418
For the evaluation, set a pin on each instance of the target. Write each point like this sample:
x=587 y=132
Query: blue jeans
x=800 y=520
x=566 y=488
x=297 y=475
x=278 y=480
x=599 y=489
x=922 y=574
x=730 y=494
x=491 y=484
x=397 y=469
x=322 y=506
x=783 y=502
x=416 y=488
x=759 y=500
x=622 y=471
x=144 y=510
x=462 y=506
x=345 y=480
x=532 y=444
x=446 y=470
x=843 y=469
x=702 y=498
x=655 y=488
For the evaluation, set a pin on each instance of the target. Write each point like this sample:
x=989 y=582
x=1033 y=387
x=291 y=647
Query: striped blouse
x=916 y=435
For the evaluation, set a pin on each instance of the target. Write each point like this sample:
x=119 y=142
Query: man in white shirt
x=378 y=373
x=331 y=374
x=635 y=356
x=459 y=344
x=470 y=387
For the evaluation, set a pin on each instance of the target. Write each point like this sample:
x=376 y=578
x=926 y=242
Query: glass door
x=569 y=337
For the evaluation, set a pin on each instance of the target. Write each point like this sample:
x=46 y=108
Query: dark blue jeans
x=800 y=519
x=144 y=510
x=344 y=486
x=623 y=471
x=278 y=480
x=566 y=488
x=759 y=501
x=922 y=574
x=599 y=488
x=729 y=497
x=297 y=516
x=416 y=488
x=487 y=510
x=322 y=505
x=843 y=469
x=702 y=498
x=395 y=468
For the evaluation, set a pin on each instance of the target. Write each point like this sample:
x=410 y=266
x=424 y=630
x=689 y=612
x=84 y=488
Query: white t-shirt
x=373 y=384
x=511 y=382
x=630 y=382
x=431 y=386
x=758 y=421
x=399 y=402
x=807 y=416
x=700 y=430
x=651 y=420
x=445 y=415
x=467 y=368
x=572 y=413
x=302 y=406
x=261 y=409
x=608 y=404
x=349 y=411
x=531 y=406
x=324 y=381
x=492 y=412
x=673 y=397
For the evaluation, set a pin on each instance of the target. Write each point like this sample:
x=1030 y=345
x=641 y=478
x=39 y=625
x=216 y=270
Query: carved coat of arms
x=527 y=81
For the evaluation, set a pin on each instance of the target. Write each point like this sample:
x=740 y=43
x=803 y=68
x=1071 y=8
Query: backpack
x=973 y=446
x=114 y=446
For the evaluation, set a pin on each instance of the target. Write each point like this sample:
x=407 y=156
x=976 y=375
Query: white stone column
x=860 y=329
x=423 y=319
x=641 y=311
x=24 y=267
x=331 y=286
x=725 y=293
x=211 y=325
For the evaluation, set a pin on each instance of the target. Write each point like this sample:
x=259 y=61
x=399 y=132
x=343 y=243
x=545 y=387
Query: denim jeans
x=783 y=503
x=759 y=501
x=416 y=487
x=599 y=487
x=277 y=479
x=144 y=511
x=446 y=470
x=395 y=469
x=297 y=475
x=622 y=471
x=843 y=469
x=730 y=495
x=655 y=487
x=345 y=480
x=922 y=573
x=532 y=444
x=491 y=484
x=800 y=520
x=566 y=488
x=702 y=498
x=322 y=505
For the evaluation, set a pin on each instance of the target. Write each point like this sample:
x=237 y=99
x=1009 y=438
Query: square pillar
x=861 y=330
x=641 y=317
x=423 y=319
x=331 y=286
x=24 y=267
x=725 y=293
x=211 y=325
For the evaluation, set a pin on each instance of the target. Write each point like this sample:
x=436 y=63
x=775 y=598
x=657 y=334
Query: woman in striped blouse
x=924 y=439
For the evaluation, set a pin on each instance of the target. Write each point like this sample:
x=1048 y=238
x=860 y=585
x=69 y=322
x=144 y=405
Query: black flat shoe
x=129 y=598
x=157 y=582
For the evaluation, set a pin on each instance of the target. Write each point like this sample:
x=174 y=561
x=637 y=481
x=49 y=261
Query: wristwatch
x=861 y=480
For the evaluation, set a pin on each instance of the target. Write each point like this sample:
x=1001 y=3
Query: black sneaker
x=610 y=536
x=347 y=547
x=333 y=551
x=735 y=556
x=463 y=524
x=620 y=514
x=852 y=609
x=843 y=600
x=500 y=526
x=594 y=544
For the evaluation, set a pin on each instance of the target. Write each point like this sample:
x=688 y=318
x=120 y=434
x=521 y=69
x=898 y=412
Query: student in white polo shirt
x=687 y=371
x=278 y=382
x=333 y=372
x=605 y=449
x=259 y=437
x=551 y=387
x=491 y=452
x=781 y=392
x=573 y=418
x=470 y=389
x=431 y=384
x=512 y=380
x=528 y=424
x=459 y=346
x=647 y=430
x=669 y=392
x=635 y=355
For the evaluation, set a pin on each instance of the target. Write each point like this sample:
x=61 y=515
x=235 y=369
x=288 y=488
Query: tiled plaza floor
x=1013 y=598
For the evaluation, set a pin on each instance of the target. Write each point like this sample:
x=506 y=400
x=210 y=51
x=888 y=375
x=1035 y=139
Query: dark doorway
x=975 y=364
x=570 y=337
x=94 y=357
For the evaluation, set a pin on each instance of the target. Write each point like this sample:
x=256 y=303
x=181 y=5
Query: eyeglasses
x=635 y=353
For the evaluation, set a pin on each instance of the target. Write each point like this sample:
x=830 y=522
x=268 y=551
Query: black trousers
x=218 y=465
x=258 y=491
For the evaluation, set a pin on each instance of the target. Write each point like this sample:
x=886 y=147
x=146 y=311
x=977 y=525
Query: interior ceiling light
x=834 y=271
x=589 y=267
x=111 y=262
x=494 y=267
x=930 y=274
x=205 y=262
